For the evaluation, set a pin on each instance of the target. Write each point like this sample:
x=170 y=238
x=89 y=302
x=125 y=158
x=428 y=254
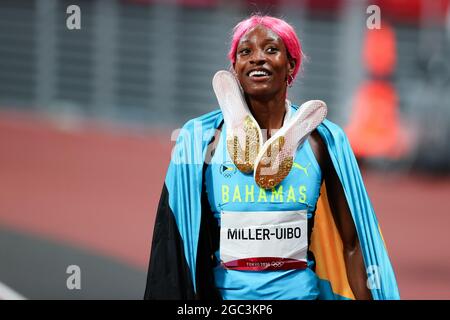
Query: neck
x=269 y=113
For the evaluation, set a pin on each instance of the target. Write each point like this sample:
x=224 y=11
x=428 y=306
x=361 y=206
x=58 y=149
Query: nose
x=258 y=57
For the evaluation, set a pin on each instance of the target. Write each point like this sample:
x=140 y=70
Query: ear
x=232 y=68
x=292 y=64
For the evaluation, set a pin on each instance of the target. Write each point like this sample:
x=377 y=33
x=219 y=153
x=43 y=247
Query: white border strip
x=6 y=293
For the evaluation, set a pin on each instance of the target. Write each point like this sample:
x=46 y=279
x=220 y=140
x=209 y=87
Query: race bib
x=271 y=240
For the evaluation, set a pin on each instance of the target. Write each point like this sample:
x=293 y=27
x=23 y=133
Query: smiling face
x=262 y=63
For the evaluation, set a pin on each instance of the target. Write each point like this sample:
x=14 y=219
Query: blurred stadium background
x=86 y=118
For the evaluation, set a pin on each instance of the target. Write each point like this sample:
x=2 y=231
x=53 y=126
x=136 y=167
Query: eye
x=272 y=49
x=244 y=51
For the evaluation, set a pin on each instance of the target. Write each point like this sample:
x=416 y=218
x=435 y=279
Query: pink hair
x=284 y=30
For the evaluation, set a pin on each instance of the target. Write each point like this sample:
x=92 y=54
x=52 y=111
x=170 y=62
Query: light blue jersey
x=230 y=190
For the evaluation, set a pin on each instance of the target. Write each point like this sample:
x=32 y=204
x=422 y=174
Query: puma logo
x=300 y=167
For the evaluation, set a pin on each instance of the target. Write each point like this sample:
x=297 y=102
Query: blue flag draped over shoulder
x=182 y=202
x=326 y=242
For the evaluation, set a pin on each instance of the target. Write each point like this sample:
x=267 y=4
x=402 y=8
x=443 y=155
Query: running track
x=95 y=188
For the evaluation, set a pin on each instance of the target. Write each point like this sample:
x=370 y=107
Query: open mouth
x=259 y=73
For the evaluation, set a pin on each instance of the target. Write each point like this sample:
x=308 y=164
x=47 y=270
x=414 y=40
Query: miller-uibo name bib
x=270 y=240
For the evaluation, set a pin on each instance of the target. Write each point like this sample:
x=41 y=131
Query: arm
x=354 y=262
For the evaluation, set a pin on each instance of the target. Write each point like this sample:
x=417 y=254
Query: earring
x=290 y=80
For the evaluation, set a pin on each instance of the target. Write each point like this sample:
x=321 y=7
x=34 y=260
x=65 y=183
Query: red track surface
x=98 y=188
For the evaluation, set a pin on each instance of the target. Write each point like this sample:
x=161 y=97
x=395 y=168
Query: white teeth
x=258 y=73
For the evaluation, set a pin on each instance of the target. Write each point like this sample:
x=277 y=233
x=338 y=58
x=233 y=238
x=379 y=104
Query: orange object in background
x=380 y=51
x=375 y=129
